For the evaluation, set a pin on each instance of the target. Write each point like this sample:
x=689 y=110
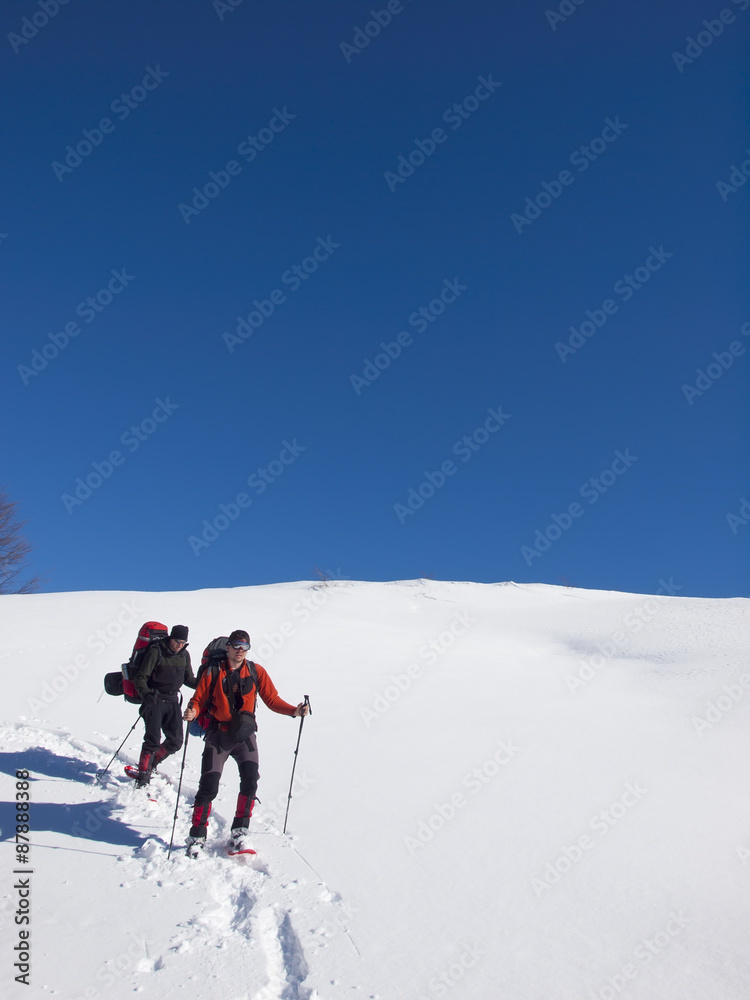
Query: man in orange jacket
x=227 y=696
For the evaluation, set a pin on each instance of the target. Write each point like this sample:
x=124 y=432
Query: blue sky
x=297 y=358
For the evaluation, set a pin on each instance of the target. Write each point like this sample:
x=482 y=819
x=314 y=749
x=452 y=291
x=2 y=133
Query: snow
x=504 y=791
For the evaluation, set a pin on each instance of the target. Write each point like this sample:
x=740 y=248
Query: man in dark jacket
x=227 y=698
x=165 y=668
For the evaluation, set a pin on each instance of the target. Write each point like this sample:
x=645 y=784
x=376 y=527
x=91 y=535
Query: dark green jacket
x=164 y=672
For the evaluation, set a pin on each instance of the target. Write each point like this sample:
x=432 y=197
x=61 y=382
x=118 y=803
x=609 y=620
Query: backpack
x=122 y=683
x=213 y=656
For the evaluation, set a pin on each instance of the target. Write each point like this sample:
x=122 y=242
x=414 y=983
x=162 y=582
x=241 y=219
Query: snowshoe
x=195 y=847
x=239 y=843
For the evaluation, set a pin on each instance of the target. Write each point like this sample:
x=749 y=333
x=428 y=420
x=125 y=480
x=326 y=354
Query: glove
x=149 y=698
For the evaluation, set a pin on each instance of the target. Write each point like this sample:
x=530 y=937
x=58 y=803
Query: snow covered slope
x=529 y=792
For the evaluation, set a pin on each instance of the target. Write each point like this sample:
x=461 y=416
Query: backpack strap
x=215 y=671
x=253 y=675
x=153 y=644
x=160 y=650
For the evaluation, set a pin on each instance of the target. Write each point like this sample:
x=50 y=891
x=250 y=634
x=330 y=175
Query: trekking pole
x=101 y=774
x=179 y=786
x=296 y=750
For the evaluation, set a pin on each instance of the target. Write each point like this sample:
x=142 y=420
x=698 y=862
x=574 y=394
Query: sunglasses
x=239 y=645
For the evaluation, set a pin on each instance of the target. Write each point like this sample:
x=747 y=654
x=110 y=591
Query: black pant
x=219 y=748
x=163 y=716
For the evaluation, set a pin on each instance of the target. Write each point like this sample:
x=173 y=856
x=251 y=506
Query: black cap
x=179 y=632
x=239 y=635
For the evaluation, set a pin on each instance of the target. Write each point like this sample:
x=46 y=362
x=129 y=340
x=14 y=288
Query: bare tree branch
x=14 y=550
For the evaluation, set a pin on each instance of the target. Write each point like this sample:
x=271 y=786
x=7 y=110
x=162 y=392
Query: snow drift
x=504 y=791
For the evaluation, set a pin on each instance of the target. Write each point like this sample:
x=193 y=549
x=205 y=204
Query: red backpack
x=122 y=683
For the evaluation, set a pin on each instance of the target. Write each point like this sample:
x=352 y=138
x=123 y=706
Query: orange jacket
x=220 y=710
